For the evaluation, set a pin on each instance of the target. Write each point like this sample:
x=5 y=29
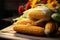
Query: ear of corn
x=58 y=30
x=49 y=27
x=39 y=14
x=34 y=30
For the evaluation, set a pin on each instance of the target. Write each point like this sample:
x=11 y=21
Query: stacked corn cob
x=40 y=20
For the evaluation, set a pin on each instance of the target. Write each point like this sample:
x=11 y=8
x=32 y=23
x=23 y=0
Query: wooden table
x=9 y=33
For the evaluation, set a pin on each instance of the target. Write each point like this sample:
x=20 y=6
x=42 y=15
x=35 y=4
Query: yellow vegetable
x=34 y=30
x=25 y=22
x=49 y=28
x=39 y=14
x=58 y=30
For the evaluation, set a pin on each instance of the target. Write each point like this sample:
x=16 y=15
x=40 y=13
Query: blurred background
x=9 y=7
x=8 y=11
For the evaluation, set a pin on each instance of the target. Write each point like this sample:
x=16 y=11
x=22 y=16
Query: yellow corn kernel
x=34 y=30
x=49 y=27
x=58 y=30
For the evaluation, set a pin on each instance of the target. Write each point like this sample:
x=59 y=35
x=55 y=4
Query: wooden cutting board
x=9 y=33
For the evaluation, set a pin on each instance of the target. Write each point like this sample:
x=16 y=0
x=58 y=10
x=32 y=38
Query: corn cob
x=58 y=30
x=49 y=28
x=38 y=14
x=34 y=30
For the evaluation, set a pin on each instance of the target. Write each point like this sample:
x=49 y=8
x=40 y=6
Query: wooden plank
x=9 y=33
